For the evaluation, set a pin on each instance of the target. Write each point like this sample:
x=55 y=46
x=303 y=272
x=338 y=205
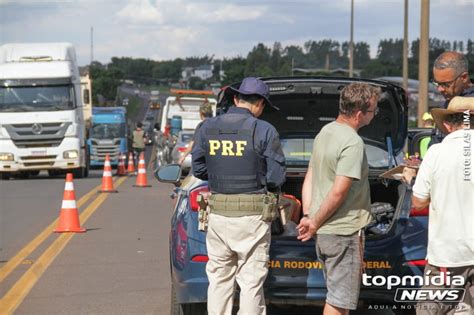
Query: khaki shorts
x=342 y=259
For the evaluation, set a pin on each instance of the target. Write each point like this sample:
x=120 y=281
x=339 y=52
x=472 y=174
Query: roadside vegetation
x=313 y=58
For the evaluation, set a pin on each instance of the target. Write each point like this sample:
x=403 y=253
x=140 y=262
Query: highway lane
x=120 y=265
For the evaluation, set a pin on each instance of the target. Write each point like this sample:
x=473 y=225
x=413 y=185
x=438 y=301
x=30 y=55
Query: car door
x=418 y=140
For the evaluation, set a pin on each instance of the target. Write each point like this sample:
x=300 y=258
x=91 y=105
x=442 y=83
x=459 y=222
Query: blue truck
x=108 y=134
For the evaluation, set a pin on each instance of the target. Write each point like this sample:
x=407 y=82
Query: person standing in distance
x=139 y=139
x=241 y=158
x=205 y=111
x=336 y=197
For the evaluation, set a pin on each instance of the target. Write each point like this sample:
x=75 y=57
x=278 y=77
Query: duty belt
x=237 y=205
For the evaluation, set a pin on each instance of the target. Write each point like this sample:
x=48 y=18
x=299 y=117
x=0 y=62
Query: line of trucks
x=47 y=122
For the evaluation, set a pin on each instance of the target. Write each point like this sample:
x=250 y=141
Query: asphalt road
x=119 y=266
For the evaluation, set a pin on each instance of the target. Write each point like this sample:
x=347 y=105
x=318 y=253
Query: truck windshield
x=36 y=98
x=108 y=131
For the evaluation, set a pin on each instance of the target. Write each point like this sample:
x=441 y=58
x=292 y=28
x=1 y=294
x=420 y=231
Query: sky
x=168 y=29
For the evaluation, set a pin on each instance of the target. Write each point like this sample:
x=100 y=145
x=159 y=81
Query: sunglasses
x=375 y=111
x=446 y=85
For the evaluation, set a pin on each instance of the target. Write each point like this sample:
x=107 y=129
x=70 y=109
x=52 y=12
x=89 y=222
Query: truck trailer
x=41 y=111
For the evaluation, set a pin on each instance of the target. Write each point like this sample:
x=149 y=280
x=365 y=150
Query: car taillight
x=193 y=196
x=417 y=263
x=182 y=149
x=200 y=258
x=419 y=213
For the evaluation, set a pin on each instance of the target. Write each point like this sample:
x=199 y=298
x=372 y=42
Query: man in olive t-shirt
x=336 y=197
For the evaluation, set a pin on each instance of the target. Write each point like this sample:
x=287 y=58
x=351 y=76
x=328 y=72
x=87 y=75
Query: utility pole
x=351 y=43
x=292 y=66
x=92 y=44
x=423 y=60
x=405 y=47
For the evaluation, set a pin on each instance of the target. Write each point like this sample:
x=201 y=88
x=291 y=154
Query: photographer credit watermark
x=467 y=147
x=413 y=288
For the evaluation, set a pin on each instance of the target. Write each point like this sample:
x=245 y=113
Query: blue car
x=396 y=240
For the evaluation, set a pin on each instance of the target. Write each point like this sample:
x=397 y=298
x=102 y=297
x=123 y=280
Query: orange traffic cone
x=69 y=217
x=121 y=171
x=107 y=181
x=131 y=165
x=141 y=177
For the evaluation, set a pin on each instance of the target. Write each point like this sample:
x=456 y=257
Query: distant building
x=203 y=72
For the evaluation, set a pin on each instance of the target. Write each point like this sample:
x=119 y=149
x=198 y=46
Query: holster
x=203 y=213
x=270 y=207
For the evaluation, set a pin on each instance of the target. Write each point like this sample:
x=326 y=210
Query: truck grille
x=38 y=161
x=37 y=134
x=99 y=150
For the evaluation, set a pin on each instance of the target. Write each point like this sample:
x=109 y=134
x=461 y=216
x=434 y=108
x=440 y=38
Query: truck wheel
x=53 y=173
x=5 y=176
x=34 y=173
x=80 y=172
x=185 y=309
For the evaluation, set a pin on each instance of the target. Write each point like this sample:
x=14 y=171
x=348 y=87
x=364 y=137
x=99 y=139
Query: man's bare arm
x=306 y=191
x=419 y=203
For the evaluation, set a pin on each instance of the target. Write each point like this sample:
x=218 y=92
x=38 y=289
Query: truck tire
x=81 y=172
x=185 y=309
x=5 y=176
x=34 y=173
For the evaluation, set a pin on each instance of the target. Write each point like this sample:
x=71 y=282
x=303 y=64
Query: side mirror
x=170 y=173
x=86 y=96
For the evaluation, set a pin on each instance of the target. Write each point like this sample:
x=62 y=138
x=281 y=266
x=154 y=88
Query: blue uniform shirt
x=266 y=142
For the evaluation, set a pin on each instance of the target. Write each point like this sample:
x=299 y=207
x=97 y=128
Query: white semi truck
x=41 y=111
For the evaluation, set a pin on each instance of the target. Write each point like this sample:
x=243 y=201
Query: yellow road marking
x=13 y=298
x=28 y=249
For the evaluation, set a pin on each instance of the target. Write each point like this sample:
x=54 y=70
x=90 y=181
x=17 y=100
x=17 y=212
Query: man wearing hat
x=445 y=183
x=241 y=158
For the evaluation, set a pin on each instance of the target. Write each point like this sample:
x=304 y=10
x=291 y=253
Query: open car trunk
x=385 y=204
x=307 y=104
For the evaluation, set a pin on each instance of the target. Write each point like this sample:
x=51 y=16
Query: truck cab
x=41 y=110
x=107 y=135
x=185 y=104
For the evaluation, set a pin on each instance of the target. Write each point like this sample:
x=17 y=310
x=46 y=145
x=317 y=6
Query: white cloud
x=140 y=12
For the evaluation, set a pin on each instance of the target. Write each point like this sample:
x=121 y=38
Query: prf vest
x=233 y=165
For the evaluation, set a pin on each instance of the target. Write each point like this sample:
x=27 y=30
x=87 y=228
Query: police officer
x=242 y=159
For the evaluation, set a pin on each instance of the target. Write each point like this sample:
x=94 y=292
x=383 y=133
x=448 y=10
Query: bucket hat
x=254 y=86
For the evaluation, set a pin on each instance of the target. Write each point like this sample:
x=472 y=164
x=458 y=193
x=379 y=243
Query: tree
x=258 y=60
x=361 y=54
x=234 y=70
x=390 y=51
x=105 y=80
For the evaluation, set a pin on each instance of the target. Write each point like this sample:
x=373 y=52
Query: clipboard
x=396 y=173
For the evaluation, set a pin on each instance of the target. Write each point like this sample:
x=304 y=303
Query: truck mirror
x=86 y=96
